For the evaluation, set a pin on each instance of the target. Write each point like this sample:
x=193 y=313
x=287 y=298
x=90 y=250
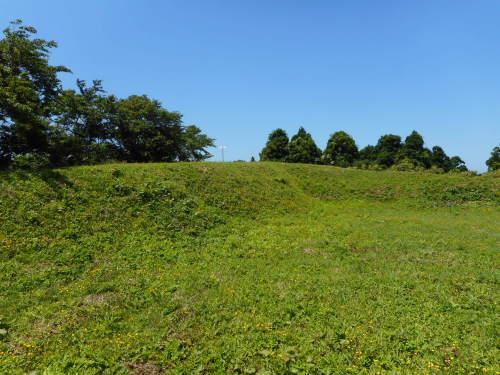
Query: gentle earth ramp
x=248 y=268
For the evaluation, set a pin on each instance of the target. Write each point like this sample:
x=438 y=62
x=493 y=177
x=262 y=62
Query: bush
x=376 y=167
x=435 y=169
x=464 y=173
x=407 y=165
x=34 y=162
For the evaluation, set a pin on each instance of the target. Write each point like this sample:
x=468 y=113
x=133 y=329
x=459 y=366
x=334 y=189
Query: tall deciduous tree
x=303 y=149
x=29 y=86
x=84 y=132
x=276 y=148
x=86 y=113
x=195 y=144
x=145 y=131
x=341 y=150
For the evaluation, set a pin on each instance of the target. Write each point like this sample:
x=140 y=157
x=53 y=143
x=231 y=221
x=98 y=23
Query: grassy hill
x=248 y=268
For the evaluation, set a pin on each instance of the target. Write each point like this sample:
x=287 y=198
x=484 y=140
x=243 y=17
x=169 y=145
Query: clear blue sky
x=239 y=69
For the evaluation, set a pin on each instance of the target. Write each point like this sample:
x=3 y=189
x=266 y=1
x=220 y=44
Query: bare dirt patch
x=310 y=250
x=97 y=299
x=145 y=368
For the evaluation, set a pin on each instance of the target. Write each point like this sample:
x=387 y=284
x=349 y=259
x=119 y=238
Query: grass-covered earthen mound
x=247 y=268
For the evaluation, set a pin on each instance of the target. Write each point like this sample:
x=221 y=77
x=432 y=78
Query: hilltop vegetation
x=247 y=268
x=342 y=151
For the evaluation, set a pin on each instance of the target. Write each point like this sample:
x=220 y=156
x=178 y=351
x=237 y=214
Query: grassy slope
x=248 y=268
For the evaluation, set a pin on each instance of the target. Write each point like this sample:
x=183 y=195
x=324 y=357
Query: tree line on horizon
x=341 y=150
x=43 y=125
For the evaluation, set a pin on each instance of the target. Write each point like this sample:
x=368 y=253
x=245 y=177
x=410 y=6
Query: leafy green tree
x=414 y=142
x=303 y=149
x=29 y=86
x=426 y=158
x=413 y=150
x=85 y=117
x=100 y=127
x=145 y=131
x=457 y=164
x=17 y=139
x=341 y=150
x=86 y=113
x=276 y=148
x=388 y=147
x=195 y=143
x=367 y=157
x=493 y=163
x=368 y=153
x=439 y=159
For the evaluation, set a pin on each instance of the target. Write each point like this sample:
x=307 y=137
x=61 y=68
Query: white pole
x=222 y=151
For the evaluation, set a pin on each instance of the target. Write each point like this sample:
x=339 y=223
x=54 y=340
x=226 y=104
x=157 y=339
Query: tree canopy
x=147 y=132
x=341 y=150
x=413 y=151
x=276 y=148
x=387 y=149
x=303 y=149
x=493 y=163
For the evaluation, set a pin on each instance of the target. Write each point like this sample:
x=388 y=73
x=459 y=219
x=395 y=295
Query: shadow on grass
x=56 y=180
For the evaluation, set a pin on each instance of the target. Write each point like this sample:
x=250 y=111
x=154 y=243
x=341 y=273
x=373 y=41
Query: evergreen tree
x=413 y=151
x=388 y=147
x=368 y=153
x=439 y=159
x=493 y=162
x=341 y=150
x=276 y=148
x=303 y=149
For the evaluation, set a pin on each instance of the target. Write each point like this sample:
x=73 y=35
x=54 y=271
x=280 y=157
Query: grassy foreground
x=248 y=268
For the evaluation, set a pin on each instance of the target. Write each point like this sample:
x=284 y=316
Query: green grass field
x=248 y=268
